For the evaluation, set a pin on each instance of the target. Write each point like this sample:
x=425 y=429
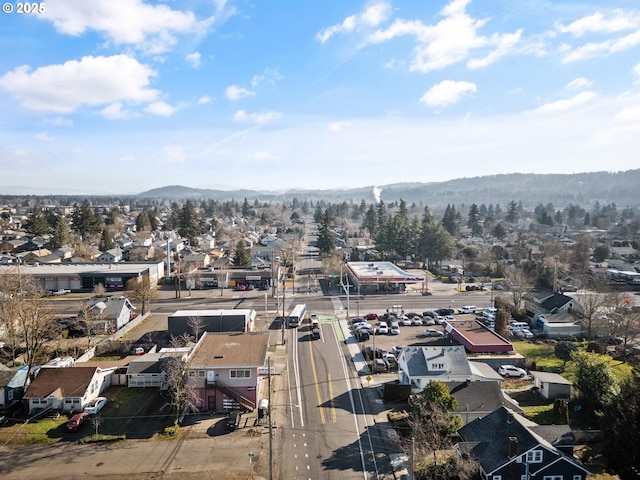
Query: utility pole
x=270 y=426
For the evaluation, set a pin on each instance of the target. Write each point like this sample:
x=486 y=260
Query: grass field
x=543 y=355
x=45 y=431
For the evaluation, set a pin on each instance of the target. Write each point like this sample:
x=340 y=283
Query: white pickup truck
x=61 y=291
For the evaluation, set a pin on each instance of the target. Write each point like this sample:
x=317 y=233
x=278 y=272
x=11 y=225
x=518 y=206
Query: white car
x=439 y=319
x=523 y=333
x=396 y=349
x=430 y=332
x=94 y=406
x=468 y=309
x=509 y=371
x=383 y=328
x=450 y=318
x=417 y=321
x=364 y=327
x=394 y=330
x=405 y=321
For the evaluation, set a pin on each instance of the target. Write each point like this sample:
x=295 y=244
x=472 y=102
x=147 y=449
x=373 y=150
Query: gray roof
x=491 y=434
x=419 y=360
x=550 y=377
x=150 y=363
x=111 y=306
x=476 y=397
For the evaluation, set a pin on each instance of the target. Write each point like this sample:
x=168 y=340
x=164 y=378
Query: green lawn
x=543 y=355
x=45 y=431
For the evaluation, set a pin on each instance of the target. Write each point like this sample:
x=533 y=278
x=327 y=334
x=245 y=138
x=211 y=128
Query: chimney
x=513 y=447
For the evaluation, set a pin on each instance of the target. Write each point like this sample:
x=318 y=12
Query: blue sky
x=119 y=96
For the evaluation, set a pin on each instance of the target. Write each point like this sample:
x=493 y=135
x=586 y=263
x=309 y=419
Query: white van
x=518 y=326
x=468 y=309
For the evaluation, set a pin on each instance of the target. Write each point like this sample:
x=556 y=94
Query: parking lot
x=427 y=333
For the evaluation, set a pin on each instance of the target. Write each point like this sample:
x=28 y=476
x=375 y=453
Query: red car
x=371 y=316
x=76 y=421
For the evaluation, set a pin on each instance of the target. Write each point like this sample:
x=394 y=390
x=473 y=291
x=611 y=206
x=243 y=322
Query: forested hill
x=621 y=188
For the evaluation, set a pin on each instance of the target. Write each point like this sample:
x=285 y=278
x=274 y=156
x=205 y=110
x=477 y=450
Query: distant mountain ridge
x=621 y=188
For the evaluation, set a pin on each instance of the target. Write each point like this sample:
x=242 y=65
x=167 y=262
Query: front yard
x=130 y=412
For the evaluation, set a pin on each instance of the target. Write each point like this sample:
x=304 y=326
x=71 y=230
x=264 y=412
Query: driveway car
x=233 y=421
x=430 y=332
x=509 y=371
x=95 y=406
x=76 y=421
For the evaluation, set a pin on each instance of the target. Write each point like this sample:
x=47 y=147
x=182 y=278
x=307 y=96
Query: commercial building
x=374 y=277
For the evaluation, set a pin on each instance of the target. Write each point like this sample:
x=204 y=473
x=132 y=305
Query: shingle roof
x=492 y=434
x=453 y=357
x=479 y=397
x=72 y=382
x=556 y=300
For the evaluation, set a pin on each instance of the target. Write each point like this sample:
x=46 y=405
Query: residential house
x=66 y=389
x=556 y=303
x=507 y=447
x=11 y=246
x=112 y=255
x=195 y=260
x=479 y=399
x=228 y=370
x=11 y=386
x=551 y=385
x=148 y=371
x=418 y=366
x=35 y=256
x=108 y=314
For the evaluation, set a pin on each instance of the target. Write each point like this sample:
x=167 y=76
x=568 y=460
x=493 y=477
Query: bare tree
x=592 y=301
x=182 y=396
x=196 y=324
x=27 y=319
x=518 y=284
x=140 y=289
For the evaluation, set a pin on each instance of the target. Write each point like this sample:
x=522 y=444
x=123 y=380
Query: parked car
x=391 y=360
x=489 y=313
x=358 y=320
x=413 y=314
x=522 y=333
x=396 y=349
x=364 y=327
x=383 y=329
x=429 y=313
x=430 y=332
x=417 y=321
x=468 y=309
x=233 y=421
x=76 y=421
x=439 y=320
x=371 y=316
x=362 y=336
x=449 y=318
x=394 y=330
x=379 y=366
x=94 y=406
x=61 y=291
x=405 y=321
x=509 y=371
x=445 y=311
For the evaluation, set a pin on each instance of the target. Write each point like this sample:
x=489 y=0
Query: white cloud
x=264 y=156
x=601 y=49
x=60 y=122
x=446 y=93
x=90 y=81
x=270 y=75
x=194 y=59
x=257 y=118
x=128 y=158
x=370 y=17
x=116 y=112
x=336 y=127
x=151 y=28
x=449 y=41
x=617 y=20
x=578 y=100
x=234 y=92
x=161 y=109
x=578 y=83
x=203 y=100
x=173 y=154
x=44 y=137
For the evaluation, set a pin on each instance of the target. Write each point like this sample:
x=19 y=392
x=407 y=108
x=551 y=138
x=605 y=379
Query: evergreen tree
x=241 y=257
x=61 y=233
x=621 y=429
x=326 y=237
x=370 y=221
x=450 y=220
x=499 y=231
x=106 y=242
x=512 y=212
x=37 y=224
x=84 y=220
x=143 y=224
x=191 y=225
x=474 y=220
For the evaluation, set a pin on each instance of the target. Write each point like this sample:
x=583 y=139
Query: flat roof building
x=477 y=338
x=380 y=277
